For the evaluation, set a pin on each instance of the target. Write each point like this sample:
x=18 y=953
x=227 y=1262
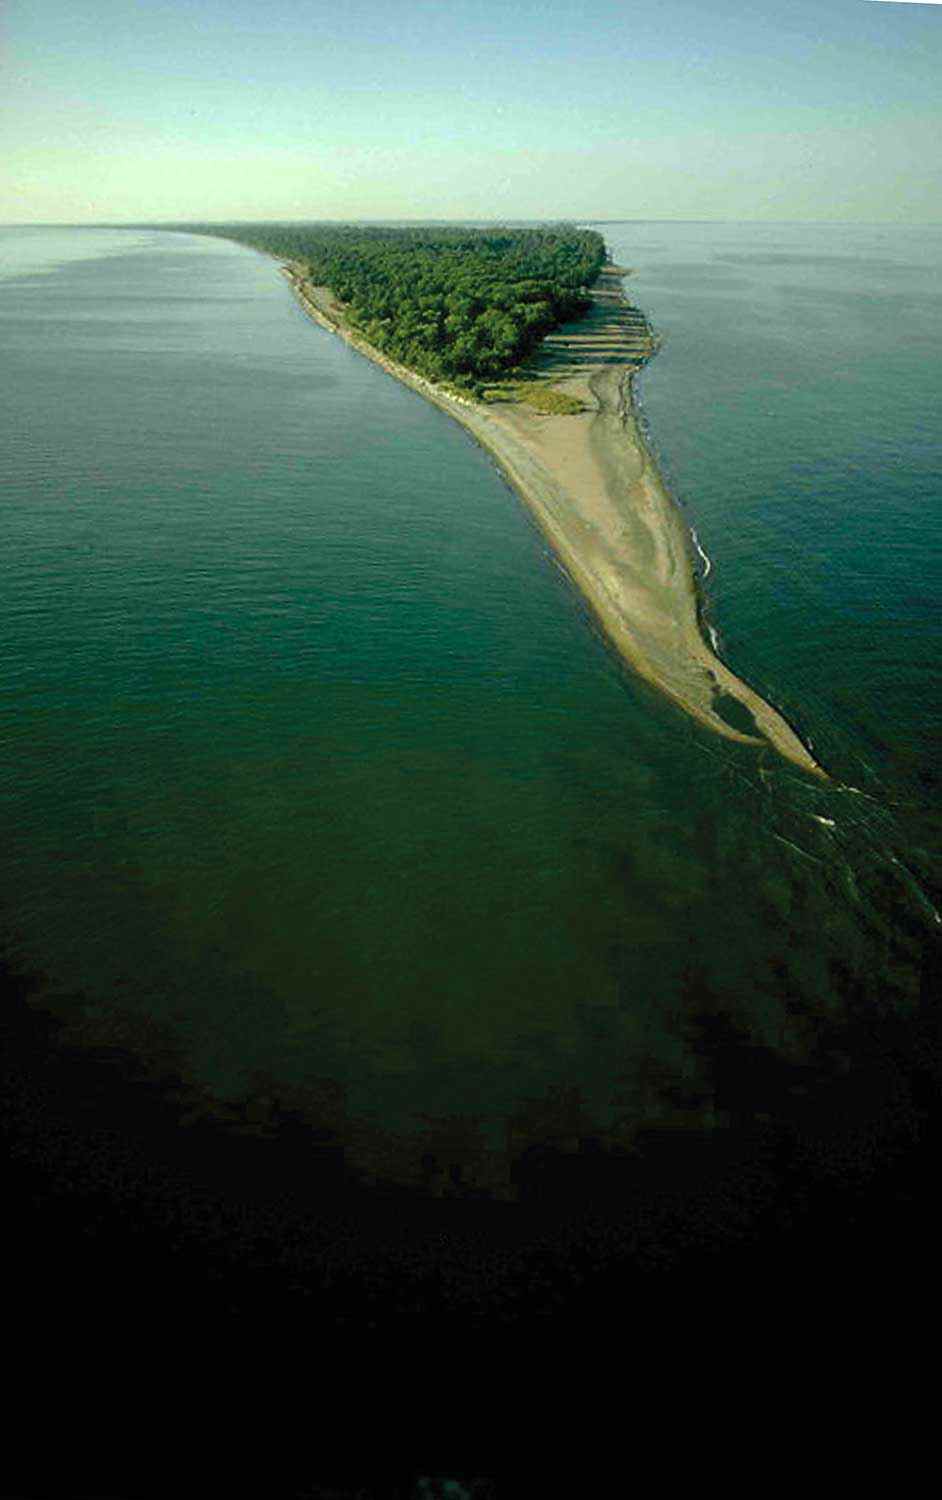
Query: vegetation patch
x=546 y=398
x=539 y=394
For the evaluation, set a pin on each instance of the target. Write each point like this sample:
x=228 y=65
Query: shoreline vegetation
x=555 y=408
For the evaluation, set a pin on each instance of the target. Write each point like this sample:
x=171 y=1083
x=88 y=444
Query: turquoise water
x=315 y=772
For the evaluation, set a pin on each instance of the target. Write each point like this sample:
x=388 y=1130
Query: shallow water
x=315 y=770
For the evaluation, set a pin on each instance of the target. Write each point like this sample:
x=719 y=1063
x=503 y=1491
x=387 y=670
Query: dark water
x=316 y=777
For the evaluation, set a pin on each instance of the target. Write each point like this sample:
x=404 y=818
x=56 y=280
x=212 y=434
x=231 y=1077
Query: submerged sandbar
x=592 y=485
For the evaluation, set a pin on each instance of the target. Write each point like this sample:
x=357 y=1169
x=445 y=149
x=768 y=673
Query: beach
x=591 y=483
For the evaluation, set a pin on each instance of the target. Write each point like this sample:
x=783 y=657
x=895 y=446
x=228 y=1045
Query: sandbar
x=591 y=483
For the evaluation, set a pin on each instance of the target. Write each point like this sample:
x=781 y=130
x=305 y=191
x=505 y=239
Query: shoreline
x=592 y=485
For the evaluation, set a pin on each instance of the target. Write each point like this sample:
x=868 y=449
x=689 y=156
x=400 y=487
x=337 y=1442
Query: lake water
x=317 y=778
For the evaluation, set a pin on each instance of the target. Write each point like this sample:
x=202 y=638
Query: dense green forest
x=463 y=306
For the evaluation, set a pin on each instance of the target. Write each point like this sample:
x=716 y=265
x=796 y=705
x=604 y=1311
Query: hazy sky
x=132 y=110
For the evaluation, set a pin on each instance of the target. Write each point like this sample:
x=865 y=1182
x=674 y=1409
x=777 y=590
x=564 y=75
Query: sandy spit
x=592 y=485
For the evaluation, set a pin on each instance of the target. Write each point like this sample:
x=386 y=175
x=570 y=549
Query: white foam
x=696 y=542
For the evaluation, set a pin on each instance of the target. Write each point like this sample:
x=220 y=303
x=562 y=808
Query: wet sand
x=592 y=485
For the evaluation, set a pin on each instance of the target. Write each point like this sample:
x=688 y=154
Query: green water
x=317 y=776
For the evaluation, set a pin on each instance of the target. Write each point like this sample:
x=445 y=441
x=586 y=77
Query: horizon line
x=582 y=219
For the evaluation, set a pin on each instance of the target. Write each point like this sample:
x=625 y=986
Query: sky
x=130 y=111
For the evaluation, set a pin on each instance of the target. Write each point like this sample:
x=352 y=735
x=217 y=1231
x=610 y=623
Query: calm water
x=314 y=768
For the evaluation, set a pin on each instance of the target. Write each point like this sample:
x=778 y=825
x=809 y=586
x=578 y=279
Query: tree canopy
x=456 y=304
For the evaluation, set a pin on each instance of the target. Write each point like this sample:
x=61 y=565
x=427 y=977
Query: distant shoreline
x=593 y=487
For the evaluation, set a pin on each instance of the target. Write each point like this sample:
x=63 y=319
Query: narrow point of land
x=569 y=441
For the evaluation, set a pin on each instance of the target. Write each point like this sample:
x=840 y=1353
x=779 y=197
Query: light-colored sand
x=593 y=487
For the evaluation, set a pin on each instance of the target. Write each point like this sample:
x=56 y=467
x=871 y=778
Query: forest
x=459 y=305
